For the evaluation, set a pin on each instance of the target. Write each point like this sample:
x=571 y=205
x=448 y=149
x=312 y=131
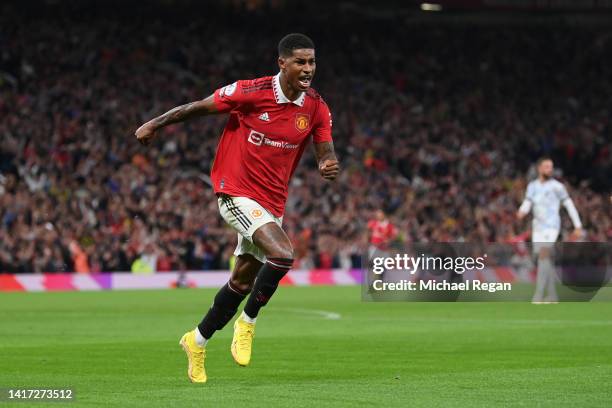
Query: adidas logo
x=264 y=116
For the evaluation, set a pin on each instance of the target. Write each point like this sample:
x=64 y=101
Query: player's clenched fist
x=145 y=134
x=329 y=169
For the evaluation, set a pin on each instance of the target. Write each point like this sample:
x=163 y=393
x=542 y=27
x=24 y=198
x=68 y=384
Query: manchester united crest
x=301 y=121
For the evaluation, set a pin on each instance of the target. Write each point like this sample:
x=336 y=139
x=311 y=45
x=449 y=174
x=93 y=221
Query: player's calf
x=279 y=253
x=266 y=284
x=225 y=306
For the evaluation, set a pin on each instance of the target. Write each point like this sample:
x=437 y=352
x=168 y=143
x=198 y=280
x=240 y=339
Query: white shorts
x=544 y=238
x=246 y=216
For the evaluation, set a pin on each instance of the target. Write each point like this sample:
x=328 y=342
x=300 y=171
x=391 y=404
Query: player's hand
x=329 y=169
x=520 y=215
x=145 y=134
x=577 y=234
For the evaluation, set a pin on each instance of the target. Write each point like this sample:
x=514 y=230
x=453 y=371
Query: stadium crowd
x=437 y=126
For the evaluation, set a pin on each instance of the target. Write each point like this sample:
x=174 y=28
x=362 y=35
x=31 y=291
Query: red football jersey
x=264 y=139
x=381 y=233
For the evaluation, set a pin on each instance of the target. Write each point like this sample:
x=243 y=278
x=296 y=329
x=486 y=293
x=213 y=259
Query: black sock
x=223 y=309
x=266 y=283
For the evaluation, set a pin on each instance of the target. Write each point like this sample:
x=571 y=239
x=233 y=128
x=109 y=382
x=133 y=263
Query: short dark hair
x=293 y=41
x=543 y=159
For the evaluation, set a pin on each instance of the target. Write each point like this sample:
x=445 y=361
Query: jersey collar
x=280 y=95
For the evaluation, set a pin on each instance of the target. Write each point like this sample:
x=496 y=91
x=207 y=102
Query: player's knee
x=281 y=251
x=241 y=283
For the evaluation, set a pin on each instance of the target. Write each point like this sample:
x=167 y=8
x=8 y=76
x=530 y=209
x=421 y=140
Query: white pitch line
x=322 y=313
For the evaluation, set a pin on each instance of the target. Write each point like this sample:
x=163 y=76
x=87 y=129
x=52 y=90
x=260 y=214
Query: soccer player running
x=269 y=126
x=545 y=195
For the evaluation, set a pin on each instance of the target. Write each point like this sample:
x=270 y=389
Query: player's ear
x=282 y=63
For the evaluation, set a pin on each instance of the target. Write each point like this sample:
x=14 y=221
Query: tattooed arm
x=146 y=133
x=327 y=161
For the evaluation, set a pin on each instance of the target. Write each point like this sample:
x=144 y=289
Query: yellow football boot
x=242 y=342
x=196 y=356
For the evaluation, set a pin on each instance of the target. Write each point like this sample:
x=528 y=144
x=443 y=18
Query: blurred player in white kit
x=545 y=195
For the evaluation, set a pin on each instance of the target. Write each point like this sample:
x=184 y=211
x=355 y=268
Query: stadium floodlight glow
x=431 y=7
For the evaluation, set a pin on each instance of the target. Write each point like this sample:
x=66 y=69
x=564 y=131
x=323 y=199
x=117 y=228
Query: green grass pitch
x=121 y=349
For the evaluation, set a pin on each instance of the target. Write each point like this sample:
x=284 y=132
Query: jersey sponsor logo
x=258 y=139
x=256 y=213
x=301 y=121
x=280 y=144
x=265 y=117
x=228 y=90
